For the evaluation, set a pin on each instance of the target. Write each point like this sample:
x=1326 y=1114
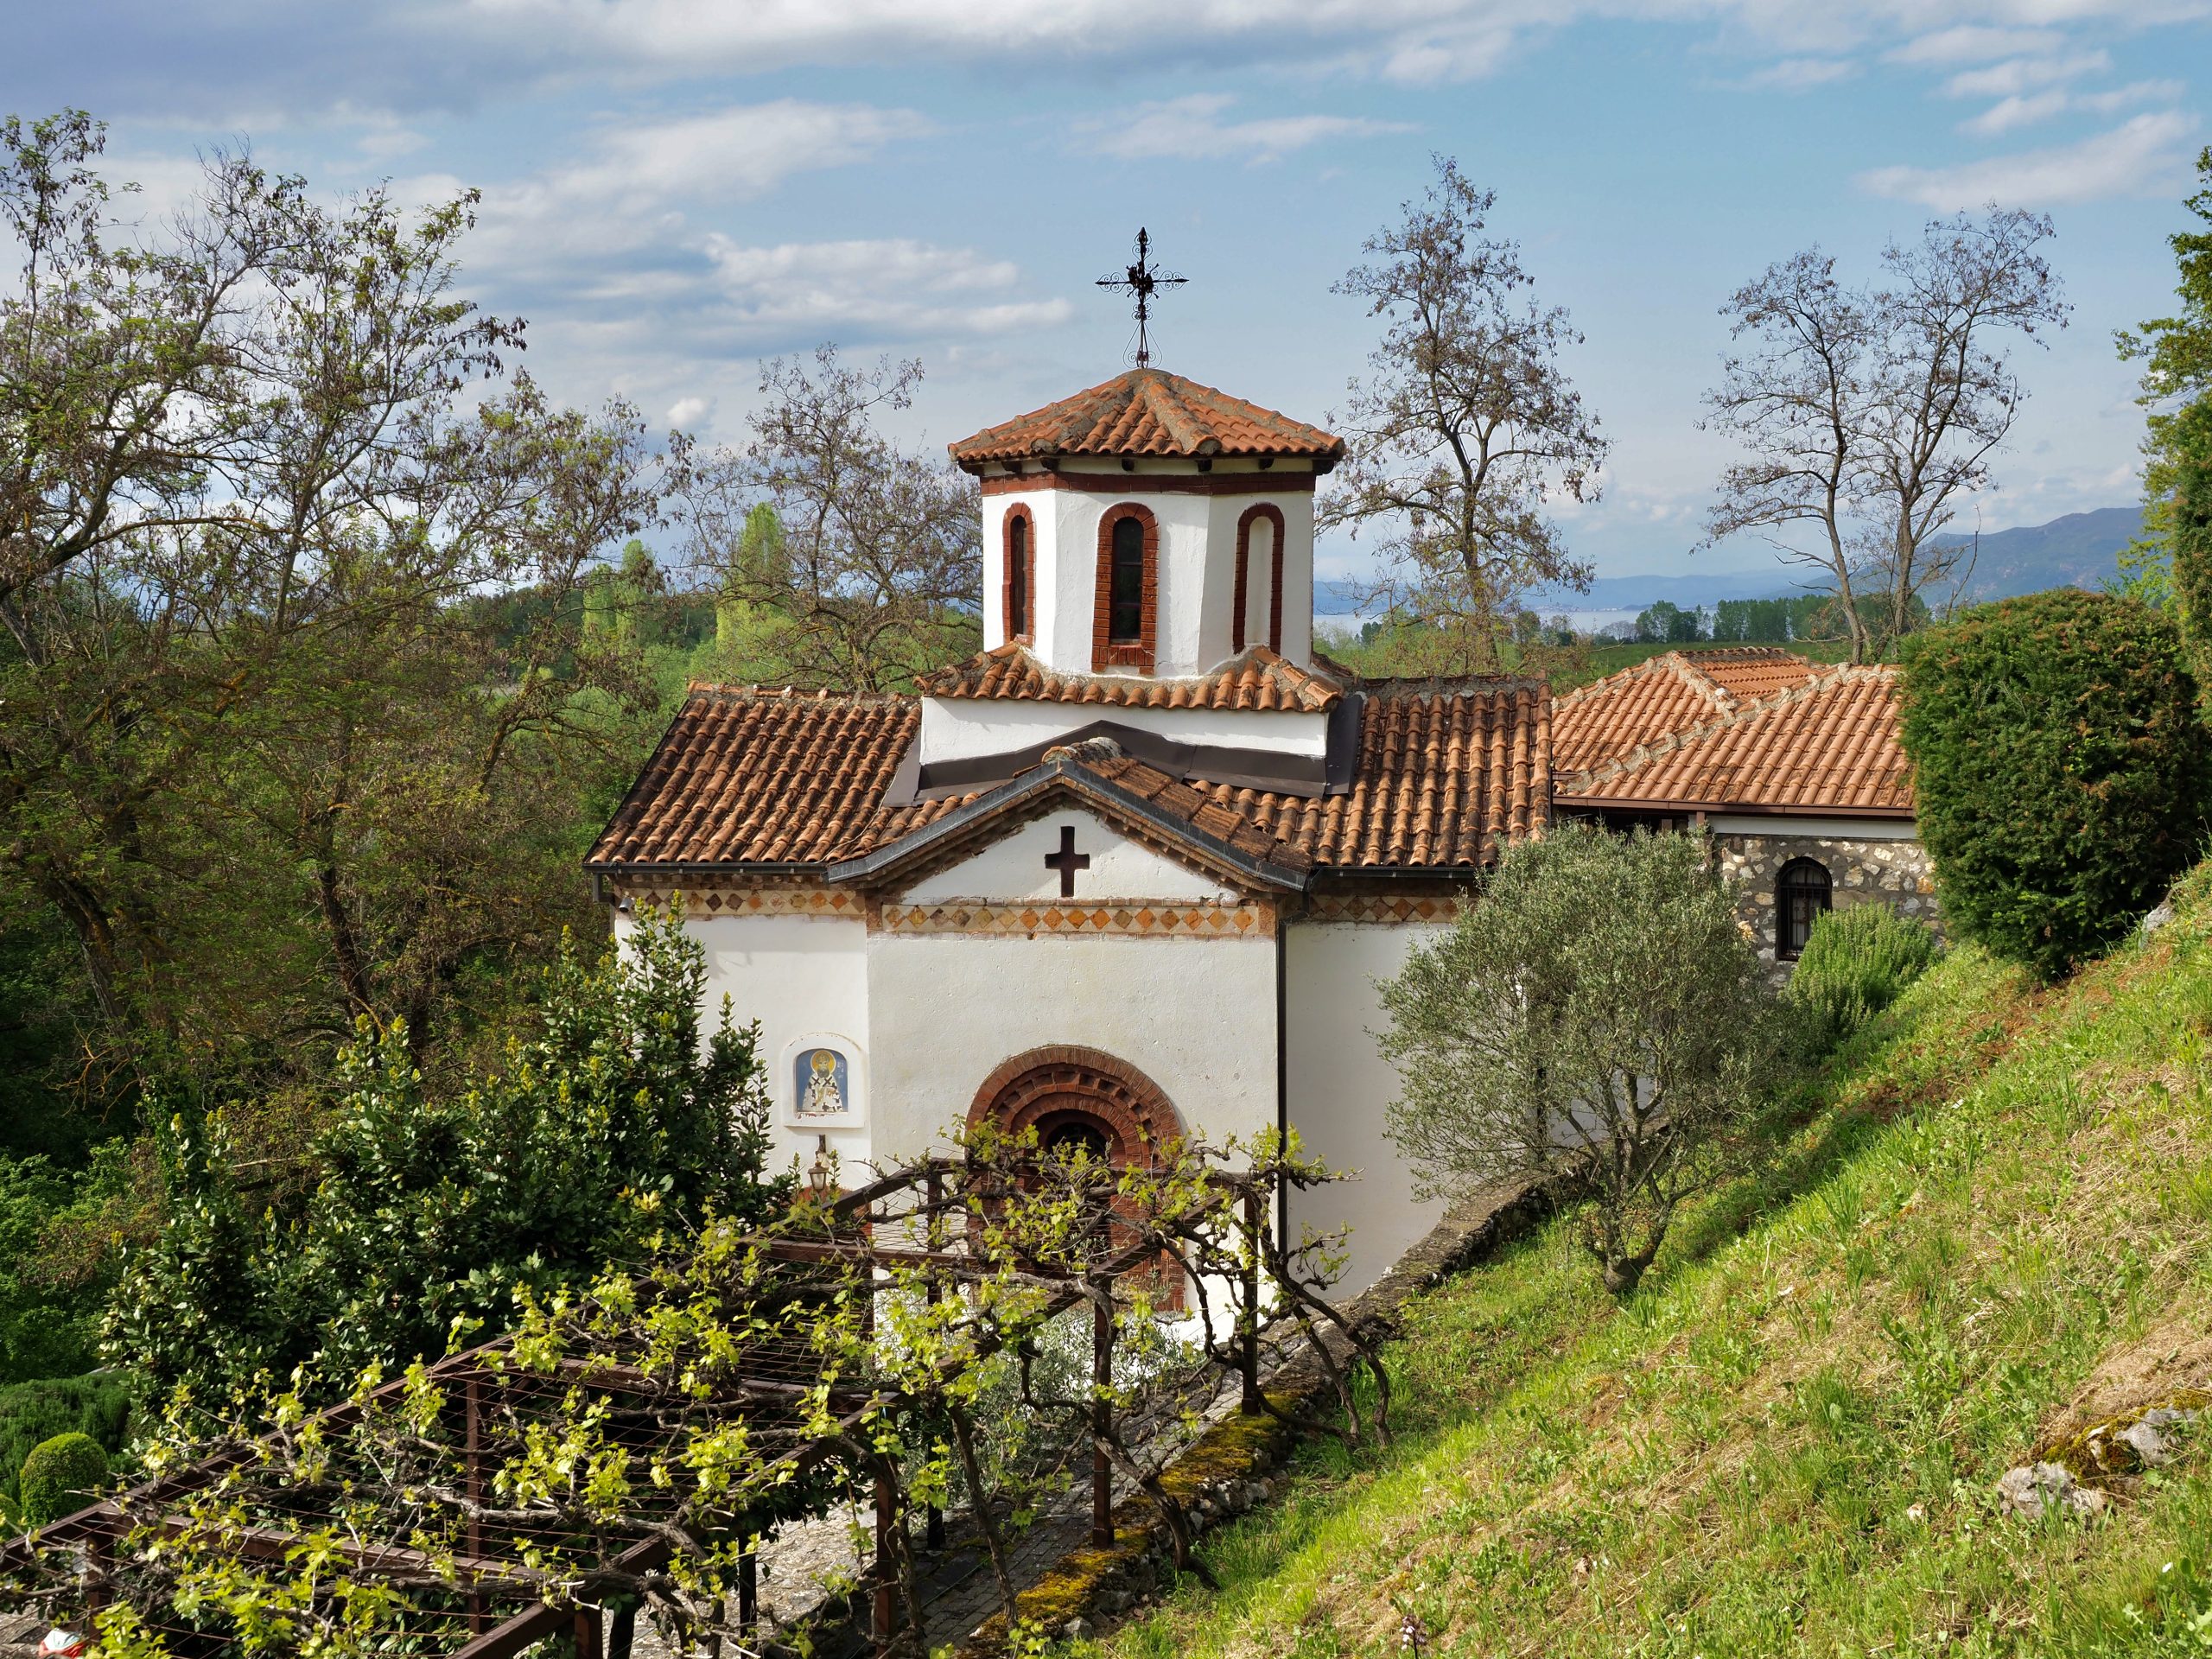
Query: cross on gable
x=1067 y=861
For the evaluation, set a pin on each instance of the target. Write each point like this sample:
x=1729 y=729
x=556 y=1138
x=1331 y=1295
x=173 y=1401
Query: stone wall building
x=1792 y=767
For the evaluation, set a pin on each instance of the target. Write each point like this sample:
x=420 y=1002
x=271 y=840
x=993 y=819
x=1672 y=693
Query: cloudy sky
x=674 y=189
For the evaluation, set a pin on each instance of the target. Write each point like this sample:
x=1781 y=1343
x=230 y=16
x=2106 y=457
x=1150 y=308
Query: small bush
x=1856 y=962
x=2060 y=769
x=97 y=1405
x=61 y=1476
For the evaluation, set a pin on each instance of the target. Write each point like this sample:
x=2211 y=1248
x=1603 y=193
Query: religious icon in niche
x=825 y=1084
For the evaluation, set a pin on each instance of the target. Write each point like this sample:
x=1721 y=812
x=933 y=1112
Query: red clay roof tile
x=1257 y=679
x=1828 y=744
x=1447 y=773
x=1668 y=693
x=1148 y=412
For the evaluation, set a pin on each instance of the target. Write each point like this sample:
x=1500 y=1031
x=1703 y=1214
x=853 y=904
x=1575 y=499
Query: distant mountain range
x=2081 y=550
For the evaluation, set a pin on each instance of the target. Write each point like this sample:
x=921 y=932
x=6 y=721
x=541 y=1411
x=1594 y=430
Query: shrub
x=97 y=1406
x=2060 y=769
x=611 y=1124
x=61 y=1476
x=1855 y=964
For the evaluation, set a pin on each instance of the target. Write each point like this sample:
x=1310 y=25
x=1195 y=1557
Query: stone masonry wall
x=1897 y=873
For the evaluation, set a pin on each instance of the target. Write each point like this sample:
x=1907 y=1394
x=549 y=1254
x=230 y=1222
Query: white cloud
x=1191 y=128
x=2016 y=76
x=2020 y=112
x=2141 y=158
x=768 y=297
x=642 y=186
x=1976 y=43
x=687 y=413
x=1801 y=75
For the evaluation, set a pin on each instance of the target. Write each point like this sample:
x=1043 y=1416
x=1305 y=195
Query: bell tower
x=1150 y=526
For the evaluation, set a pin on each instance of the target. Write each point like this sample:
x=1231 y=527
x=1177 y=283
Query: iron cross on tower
x=1143 y=279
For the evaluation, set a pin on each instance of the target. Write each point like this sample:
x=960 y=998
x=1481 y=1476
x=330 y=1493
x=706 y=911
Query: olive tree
x=1595 y=1017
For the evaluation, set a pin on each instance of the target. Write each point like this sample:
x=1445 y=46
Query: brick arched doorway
x=1070 y=1094
x=1084 y=1096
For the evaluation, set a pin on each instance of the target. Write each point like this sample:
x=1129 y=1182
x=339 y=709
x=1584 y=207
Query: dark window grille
x=1125 y=598
x=1803 y=892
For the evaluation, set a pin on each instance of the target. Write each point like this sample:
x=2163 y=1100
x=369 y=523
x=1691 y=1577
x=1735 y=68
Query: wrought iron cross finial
x=1143 y=279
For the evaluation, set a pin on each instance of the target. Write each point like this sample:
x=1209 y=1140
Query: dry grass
x=1993 y=1223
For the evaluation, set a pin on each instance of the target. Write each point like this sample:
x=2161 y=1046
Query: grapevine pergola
x=628 y=1448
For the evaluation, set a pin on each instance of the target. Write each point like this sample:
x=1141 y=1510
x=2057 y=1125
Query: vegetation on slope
x=1991 y=1224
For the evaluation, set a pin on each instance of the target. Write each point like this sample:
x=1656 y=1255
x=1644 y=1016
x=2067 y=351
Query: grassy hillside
x=1992 y=1224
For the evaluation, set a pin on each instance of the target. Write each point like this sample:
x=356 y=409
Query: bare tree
x=1466 y=427
x=1944 y=399
x=1870 y=415
x=879 y=575
x=1795 y=396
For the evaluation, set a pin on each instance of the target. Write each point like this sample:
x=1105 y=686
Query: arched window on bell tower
x=1124 y=622
x=1259 y=557
x=1019 y=589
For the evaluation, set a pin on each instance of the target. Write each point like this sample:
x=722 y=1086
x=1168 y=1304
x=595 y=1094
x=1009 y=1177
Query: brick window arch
x=1125 y=618
x=1272 y=516
x=1018 y=568
x=1066 y=1088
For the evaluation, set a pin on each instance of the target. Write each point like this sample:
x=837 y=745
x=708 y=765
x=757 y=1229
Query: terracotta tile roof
x=761 y=777
x=1826 y=745
x=1668 y=693
x=1448 y=772
x=1148 y=412
x=1257 y=679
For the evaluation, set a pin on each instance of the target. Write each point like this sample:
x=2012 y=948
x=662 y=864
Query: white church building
x=1134 y=870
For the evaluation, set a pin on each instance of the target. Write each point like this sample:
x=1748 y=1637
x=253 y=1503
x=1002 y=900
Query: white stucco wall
x=1014 y=867
x=955 y=728
x=804 y=978
x=1339 y=1085
x=1198 y=570
x=1196 y=1016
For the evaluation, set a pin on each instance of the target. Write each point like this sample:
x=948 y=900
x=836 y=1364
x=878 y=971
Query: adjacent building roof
x=1257 y=678
x=1667 y=694
x=1148 y=412
x=1447 y=773
x=1827 y=744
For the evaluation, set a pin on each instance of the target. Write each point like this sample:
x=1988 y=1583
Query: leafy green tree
x=48 y=1327
x=2060 y=769
x=610 y=1126
x=1596 y=1017
x=265 y=754
x=1664 y=622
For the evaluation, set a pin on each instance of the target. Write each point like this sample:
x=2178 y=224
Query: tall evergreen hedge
x=2060 y=769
